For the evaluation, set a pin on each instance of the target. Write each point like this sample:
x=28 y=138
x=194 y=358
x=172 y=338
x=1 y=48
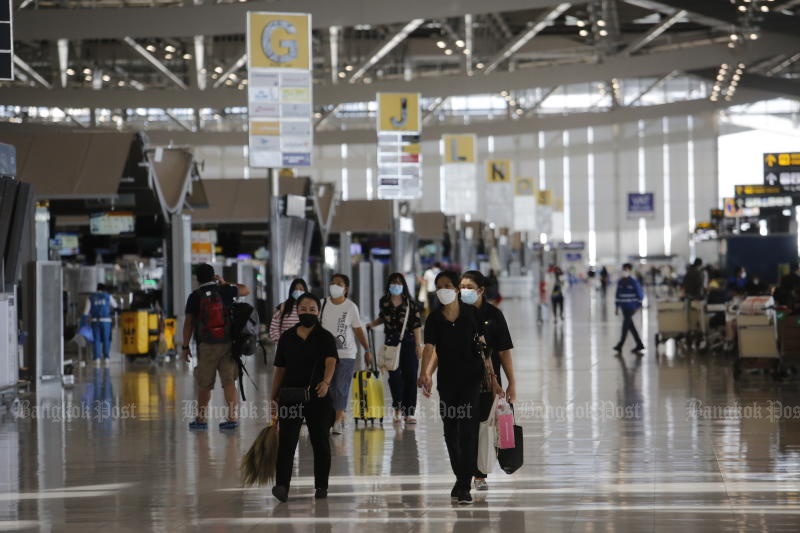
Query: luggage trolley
x=756 y=332
x=673 y=320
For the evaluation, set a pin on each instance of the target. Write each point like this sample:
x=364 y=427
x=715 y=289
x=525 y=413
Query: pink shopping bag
x=505 y=425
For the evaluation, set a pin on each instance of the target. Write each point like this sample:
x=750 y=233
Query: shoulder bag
x=390 y=355
x=296 y=395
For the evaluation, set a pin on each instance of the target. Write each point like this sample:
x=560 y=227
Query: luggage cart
x=756 y=333
x=673 y=321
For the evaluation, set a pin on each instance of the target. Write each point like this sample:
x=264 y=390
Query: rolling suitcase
x=367 y=395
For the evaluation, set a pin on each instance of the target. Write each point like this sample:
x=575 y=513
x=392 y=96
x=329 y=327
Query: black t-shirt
x=227 y=292
x=301 y=357
x=496 y=333
x=458 y=365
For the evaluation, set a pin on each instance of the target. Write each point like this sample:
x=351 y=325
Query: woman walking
x=305 y=361
x=498 y=341
x=285 y=316
x=340 y=316
x=399 y=315
x=452 y=334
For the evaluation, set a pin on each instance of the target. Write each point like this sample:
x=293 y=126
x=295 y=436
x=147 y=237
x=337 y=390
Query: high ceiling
x=166 y=65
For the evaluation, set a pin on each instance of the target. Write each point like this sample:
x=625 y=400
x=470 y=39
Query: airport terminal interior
x=334 y=265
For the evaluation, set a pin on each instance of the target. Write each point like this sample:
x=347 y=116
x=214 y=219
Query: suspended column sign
x=641 y=205
x=524 y=205
x=6 y=42
x=558 y=217
x=399 y=154
x=279 y=89
x=499 y=193
x=783 y=169
x=459 y=176
x=544 y=211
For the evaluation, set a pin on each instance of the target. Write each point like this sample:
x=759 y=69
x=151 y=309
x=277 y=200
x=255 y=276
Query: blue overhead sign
x=641 y=205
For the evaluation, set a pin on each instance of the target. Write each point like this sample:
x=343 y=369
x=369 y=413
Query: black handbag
x=296 y=395
x=511 y=459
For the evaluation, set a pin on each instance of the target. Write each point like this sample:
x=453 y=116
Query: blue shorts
x=340 y=384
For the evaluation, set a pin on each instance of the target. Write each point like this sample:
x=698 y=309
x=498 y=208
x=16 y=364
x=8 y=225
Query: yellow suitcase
x=367 y=394
x=135 y=334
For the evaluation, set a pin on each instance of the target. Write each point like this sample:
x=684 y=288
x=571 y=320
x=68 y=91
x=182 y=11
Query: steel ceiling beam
x=230 y=18
x=655 y=32
x=385 y=48
x=239 y=63
x=650 y=88
x=63 y=60
x=31 y=72
x=161 y=67
x=641 y=65
x=520 y=40
x=756 y=82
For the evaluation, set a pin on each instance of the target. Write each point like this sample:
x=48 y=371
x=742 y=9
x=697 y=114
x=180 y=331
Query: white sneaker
x=97 y=362
x=107 y=361
x=480 y=484
x=338 y=428
x=411 y=420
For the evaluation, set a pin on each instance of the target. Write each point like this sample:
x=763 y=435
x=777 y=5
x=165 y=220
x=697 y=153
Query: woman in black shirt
x=450 y=335
x=473 y=292
x=393 y=308
x=304 y=360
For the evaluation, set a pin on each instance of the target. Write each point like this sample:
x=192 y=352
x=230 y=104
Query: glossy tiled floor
x=611 y=444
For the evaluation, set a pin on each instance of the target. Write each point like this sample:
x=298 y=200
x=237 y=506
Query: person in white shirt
x=340 y=316
x=430 y=285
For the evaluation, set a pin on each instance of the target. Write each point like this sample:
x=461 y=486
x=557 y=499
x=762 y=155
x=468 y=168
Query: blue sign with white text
x=641 y=205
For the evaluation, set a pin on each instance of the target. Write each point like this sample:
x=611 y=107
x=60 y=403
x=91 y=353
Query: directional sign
x=398 y=113
x=783 y=169
x=758 y=190
x=459 y=148
x=641 y=205
x=544 y=197
x=498 y=171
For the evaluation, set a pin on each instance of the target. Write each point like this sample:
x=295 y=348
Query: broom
x=258 y=464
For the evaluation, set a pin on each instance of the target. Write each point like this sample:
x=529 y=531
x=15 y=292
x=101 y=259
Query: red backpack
x=214 y=325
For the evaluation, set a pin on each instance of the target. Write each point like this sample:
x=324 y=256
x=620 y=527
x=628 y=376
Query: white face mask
x=336 y=291
x=626 y=274
x=446 y=296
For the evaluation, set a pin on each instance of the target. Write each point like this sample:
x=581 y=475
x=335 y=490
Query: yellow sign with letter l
x=279 y=40
x=459 y=148
x=398 y=112
x=498 y=171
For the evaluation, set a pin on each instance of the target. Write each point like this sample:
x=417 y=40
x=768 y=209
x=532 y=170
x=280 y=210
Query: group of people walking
x=316 y=351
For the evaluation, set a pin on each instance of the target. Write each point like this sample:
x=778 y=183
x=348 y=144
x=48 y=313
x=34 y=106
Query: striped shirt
x=278 y=327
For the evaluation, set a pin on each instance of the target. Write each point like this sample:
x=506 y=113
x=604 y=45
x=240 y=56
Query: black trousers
x=629 y=325
x=319 y=416
x=558 y=306
x=403 y=381
x=458 y=408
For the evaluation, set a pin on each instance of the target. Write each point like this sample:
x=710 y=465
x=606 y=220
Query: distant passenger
x=430 y=285
x=450 y=334
x=99 y=308
x=285 y=316
x=756 y=287
x=398 y=312
x=208 y=320
x=629 y=300
x=788 y=293
x=694 y=281
x=557 y=301
x=340 y=316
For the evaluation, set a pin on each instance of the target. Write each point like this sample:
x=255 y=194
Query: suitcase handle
x=371 y=343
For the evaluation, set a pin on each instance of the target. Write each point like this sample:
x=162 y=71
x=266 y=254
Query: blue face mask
x=395 y=290
x=469 y=296
x=297 y=294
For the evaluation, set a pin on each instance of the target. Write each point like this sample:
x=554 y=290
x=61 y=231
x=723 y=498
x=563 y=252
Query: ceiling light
x=734 y=83
x=448 y=52
x=737 y=77
x=342 y=74
x=168 y=57
x=480 y=66
x=317 y=115
x=753 y=36
x=731 y=45
x=742 y=8
x=765 y=9
x=734 y=37
x=467 y=51
x=741 y=65
x=460 y=43
x=583 y=33
x=503 y=93
x=603 y=33
x=88 y=78
x=518 y=111
x=348 y=68
x=214 y=76
x=441 y=44
x=229 y=83
x=169 y=48
x=244 y=81
x=87 y=70
x=151 y=48
x=204 y=70
x=716 y=88
x=601 y=23
x=581 y=23
x=218 y=70
x=233 y=76
x=724 y=66
x=121 y=83
x=187 y=57
x=106 y=78
x=70 y=72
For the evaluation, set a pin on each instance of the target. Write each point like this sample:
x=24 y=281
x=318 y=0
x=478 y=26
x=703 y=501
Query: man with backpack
x=208 y=318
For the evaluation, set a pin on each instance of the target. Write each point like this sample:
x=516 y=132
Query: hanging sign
x=498 y=171
x=399 y=150
x=641 y=205
x=459 y=175
x=279 y=89
x=783 y=169
x=459 y=148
